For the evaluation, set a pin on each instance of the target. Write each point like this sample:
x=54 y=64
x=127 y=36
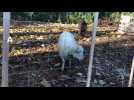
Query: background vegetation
x=66 y=17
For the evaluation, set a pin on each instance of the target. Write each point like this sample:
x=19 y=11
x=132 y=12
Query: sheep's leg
x=63 y=64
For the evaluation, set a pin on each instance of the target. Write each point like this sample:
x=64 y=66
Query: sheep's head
x=79 y=53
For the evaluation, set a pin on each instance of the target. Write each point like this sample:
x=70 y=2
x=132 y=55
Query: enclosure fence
x=32 y=77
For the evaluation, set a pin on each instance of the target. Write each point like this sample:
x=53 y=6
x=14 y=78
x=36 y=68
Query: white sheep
x=67 y=46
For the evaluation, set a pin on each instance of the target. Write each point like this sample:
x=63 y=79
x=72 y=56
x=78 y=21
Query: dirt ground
x=34 y=61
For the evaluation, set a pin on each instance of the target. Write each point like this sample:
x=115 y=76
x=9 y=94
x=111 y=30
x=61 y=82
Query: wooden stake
x=131 y=74
x=5 y=48
x=92 y=49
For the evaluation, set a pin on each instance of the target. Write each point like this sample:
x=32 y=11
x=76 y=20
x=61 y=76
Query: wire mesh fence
x=34 y=57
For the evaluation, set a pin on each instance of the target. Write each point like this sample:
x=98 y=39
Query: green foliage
x=111 y=16
x=115 y=17
x=66 y=17
x=74 y=17
x=128 y=13
x=45 y=16
x=20 y=16
x=88 y=17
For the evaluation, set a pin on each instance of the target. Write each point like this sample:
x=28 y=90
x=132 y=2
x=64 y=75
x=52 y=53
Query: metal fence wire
x=34 y=60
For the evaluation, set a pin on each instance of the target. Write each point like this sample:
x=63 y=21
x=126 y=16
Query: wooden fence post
x=131 y=74
x=5 y=48
x=92 y=49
